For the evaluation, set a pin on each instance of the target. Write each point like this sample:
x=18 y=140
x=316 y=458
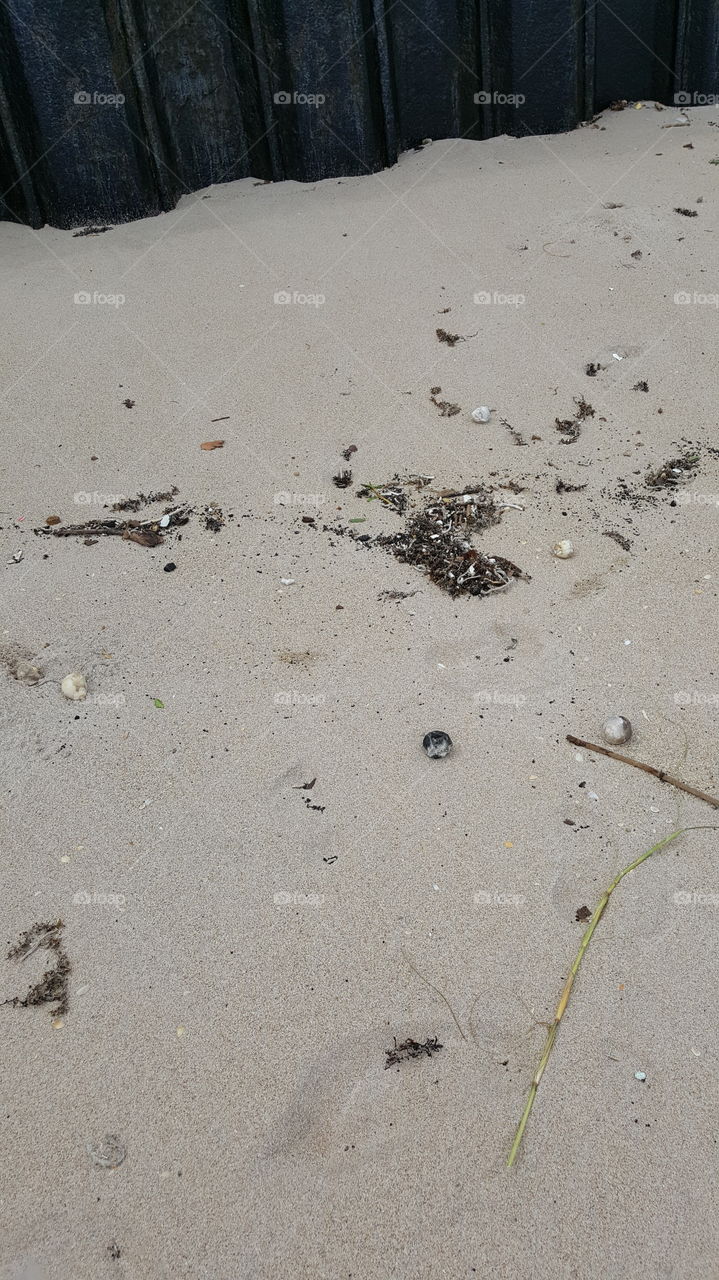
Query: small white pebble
x=287 y=582
x=481 y=414
x=164 y=522
x=640 y=1075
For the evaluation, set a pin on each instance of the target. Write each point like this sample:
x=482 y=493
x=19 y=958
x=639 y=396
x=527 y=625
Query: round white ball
x=617 y=730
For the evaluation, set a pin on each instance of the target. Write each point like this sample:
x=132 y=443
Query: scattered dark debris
x=395 y=595
x=129 y=404
x=446 y=408
x=90 y=231
x=411 y=1049
x=343 y=479
x=52 y=987
x=452 y=339
x=213 y=517
x=114 y=1250
x=347 y=453
x=584 y=409
x=170 y=566
x=513 y=485
x=562 y=487
x=672 y=472
x=144 y=499
x=331 y=860
x=144 y=532
x=305 y=786
x=318 y=808
x=611 y=205
x=637 y=254
x=593 y=369
x=640 y=386
x=569 y=427
x=392 y=493
x=226 y=418
x=619 y=538
x=517 y=437
x=618 y=105
x=583 y=913
x=686 y=213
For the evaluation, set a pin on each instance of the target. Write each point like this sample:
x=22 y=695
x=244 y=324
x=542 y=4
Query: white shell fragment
x=481 y=414
x=563 y=550
x=640 y=1075
x=164 y=522
x=74 y=687
x=287 y=582
x=617 y=730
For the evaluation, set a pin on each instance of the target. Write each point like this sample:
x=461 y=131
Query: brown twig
x=661 y=774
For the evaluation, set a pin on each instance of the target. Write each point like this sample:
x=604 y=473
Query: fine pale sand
x=241 y=959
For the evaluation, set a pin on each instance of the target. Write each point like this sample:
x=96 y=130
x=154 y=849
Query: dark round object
x=170 y=567
x=437 y=744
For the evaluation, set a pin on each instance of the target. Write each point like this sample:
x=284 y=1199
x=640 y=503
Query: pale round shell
x=617 y=730
x=74 y=686
x=563 y=550
x=481 y=414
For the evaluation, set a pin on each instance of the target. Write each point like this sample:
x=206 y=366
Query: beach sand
x=243 y=951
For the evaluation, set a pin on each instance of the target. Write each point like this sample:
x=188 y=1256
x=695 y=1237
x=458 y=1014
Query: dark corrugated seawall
x=111 y=111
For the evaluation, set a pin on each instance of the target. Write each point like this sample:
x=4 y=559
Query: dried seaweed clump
x=673 y=472
x=430 y=543
x=392 y=494
x=52 y=987
x=570 y=427
x=411 y=1049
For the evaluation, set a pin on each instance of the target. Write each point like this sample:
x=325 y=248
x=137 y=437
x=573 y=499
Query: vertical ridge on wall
x=215 y=90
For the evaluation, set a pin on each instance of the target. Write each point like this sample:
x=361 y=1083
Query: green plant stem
x=564 y=999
